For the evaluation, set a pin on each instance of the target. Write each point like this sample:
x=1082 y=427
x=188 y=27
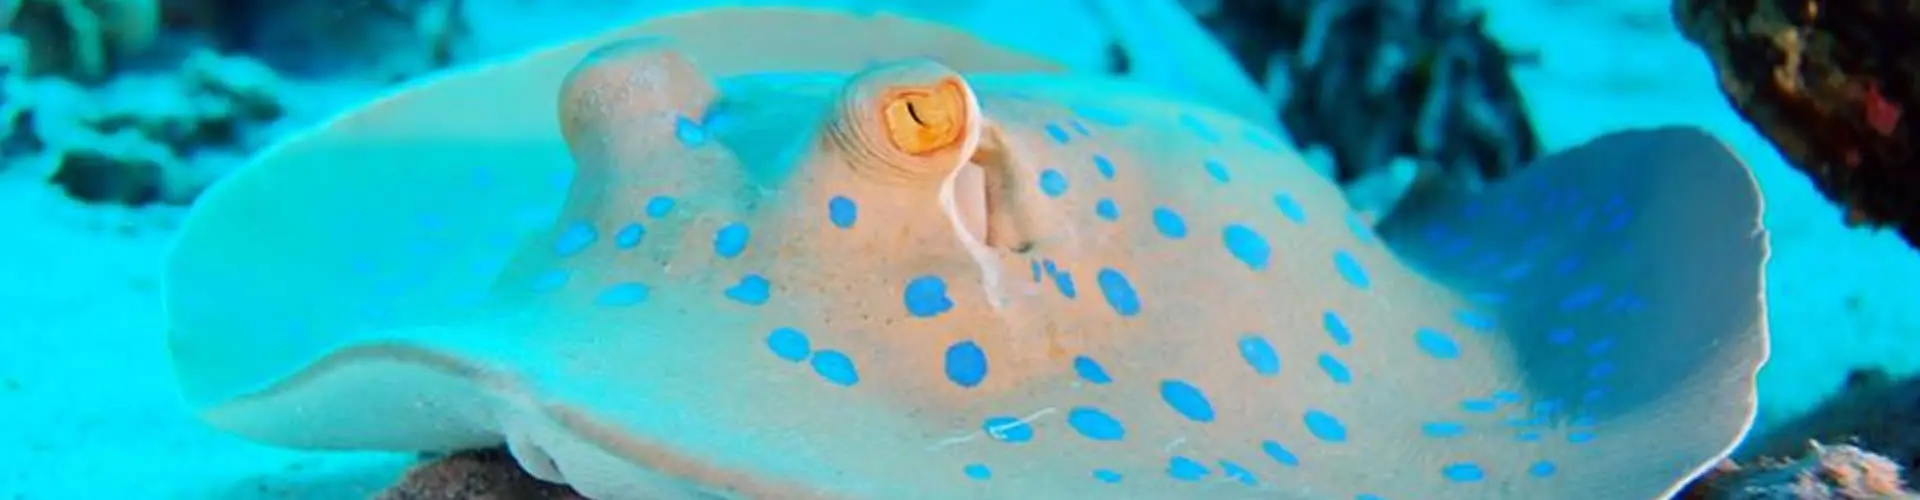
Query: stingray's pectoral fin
x=1624 y=276
x=385 y=217
x=458 y=384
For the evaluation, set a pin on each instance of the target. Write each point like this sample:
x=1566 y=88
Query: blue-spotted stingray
x=655 y=267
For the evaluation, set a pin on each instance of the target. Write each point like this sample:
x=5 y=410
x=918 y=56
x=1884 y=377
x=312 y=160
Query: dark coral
x=474 y=475
x=1828 y=82
x=1378 y=80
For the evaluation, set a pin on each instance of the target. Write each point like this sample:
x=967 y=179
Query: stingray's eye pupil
x=924 y=119
x=914 y=111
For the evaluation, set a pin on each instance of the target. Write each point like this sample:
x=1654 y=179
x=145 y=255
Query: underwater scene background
x=116 y=116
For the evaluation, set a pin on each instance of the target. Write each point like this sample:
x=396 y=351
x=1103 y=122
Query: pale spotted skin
x=695 y=284
x=1160 y=302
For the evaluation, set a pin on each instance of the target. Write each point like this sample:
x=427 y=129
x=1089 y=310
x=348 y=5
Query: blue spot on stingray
x=1368 y=496
x=1095 y=424
x=1583 y=297
x=660 y=206
x=1599 y=347
x=717 y=117
x=789 y=344
x=1237 y=473
x=1106 y=209
x=575 y=239
x=1279 y=454
x=1104 y=165
x=1600 y=370
x=1169 y=223
x=1259 y=354
x=1359 y=228
x=1059 y=135
x=1566 y=265
x=1542 y=468
x=836 y=367
x=1186 y=399
x=1473 y=319
x=629 y=236
x=690 y=133
x=1090 y=370
x=1517 y=271
x=1560 y=336
x=1199 y=128
x=752 y=290
x=730 y=240
x=1106 y=476
x=978 y=472
x=1463 y=472
x=1118 y=291
x=1246 y=246
x=842 y=212
x=1102 y=116
x=1618 y=221
x=1479 y=406
x=966 y=363
x=1064 y=282
x=1290 y=208
x=1053 y=183
x=1185 y=469
x=1217 y=170
x=1325 y=426
x=1578 y=437
x=1260 y=139
x=1035 y=265
x=1442 y=429
x=926 y=297
x=1079 y=128
x=1436 y=343
x=550 y=281
x=622 y=294
x=1350 y=269
x=1007 y=430
x=1336 y=328
x=1335 y=369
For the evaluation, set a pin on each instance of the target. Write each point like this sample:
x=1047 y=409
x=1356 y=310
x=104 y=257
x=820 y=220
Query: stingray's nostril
x=1009 y=193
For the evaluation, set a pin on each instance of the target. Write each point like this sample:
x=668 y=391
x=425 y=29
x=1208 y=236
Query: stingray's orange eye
x=921 y=120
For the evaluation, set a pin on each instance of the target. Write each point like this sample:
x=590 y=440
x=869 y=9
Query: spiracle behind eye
x=922 y=120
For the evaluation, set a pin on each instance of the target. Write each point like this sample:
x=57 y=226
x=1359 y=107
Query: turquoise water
x=91 y=408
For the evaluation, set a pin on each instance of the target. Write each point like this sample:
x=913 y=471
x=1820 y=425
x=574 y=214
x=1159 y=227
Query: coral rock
x=1826 y=473
x=474 y=475
x=1828 y=83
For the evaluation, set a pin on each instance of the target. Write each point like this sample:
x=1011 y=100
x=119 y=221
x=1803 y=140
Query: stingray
x=654 y=265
